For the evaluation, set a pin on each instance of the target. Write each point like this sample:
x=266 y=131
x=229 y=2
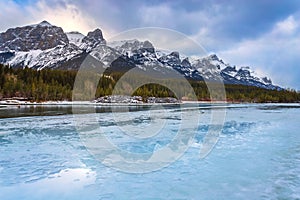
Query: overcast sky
x=264 y=34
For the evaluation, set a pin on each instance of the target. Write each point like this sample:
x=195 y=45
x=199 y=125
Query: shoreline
x=90 y=103
x=5 y=103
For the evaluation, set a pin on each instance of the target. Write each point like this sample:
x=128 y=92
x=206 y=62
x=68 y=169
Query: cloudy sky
x=264 y=34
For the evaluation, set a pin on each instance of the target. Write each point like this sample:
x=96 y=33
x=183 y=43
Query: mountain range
x=45 y=46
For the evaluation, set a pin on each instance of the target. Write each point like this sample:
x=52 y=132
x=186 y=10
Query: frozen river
x=257 y=156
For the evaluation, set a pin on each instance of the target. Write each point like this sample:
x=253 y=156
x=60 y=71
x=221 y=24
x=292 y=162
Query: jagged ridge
x=46 y=46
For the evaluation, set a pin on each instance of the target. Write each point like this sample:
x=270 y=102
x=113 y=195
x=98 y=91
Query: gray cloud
x=275 y=53
x=236 y=29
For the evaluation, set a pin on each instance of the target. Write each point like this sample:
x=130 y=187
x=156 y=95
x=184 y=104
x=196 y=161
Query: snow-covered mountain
x=75 y=37
x=40 y=36
x=47 y=46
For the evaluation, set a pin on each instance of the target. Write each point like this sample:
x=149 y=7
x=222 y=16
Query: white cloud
x=69 y=17
x=165 y=16
x=276 y=53
x=163 y=39
x=287 y=26
x=11 y=13
x=59 y=13
x=158 y=15
x=214 y=25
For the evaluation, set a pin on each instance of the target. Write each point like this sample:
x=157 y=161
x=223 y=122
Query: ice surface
x=257 y=156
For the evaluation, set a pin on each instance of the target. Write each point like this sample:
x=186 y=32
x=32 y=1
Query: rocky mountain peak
x=185 y=62
x=94 y=38
x=133 y=46
x=171 y=59
x=267 y=80
x=175 y=54
x=44 y=23
x=230 y=69
x=148 y=46
x=96 y=34
x=243 y=72
x=40 y=36
x=213 y=57
x=43 y=45
x=75 y=37
x=74 y=32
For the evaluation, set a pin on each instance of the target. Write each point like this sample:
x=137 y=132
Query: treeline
x=36 y=85
x=259 y=95
x=46 y=84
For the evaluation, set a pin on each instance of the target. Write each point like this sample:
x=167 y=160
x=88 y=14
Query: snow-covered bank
x=105 y=100
x=4 y=103
x=46 y=103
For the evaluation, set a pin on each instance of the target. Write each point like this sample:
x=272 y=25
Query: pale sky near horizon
x=263 y=34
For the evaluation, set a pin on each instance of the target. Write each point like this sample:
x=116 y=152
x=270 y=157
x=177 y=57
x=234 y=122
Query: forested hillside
x=44 y=85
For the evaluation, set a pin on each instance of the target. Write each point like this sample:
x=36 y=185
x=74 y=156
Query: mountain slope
x=44 y=45
x=40 y=36
x=75 y=37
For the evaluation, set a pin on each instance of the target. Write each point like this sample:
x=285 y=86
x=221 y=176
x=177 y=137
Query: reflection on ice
x=257 y=156
x=66 y=183
x=68 y=180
